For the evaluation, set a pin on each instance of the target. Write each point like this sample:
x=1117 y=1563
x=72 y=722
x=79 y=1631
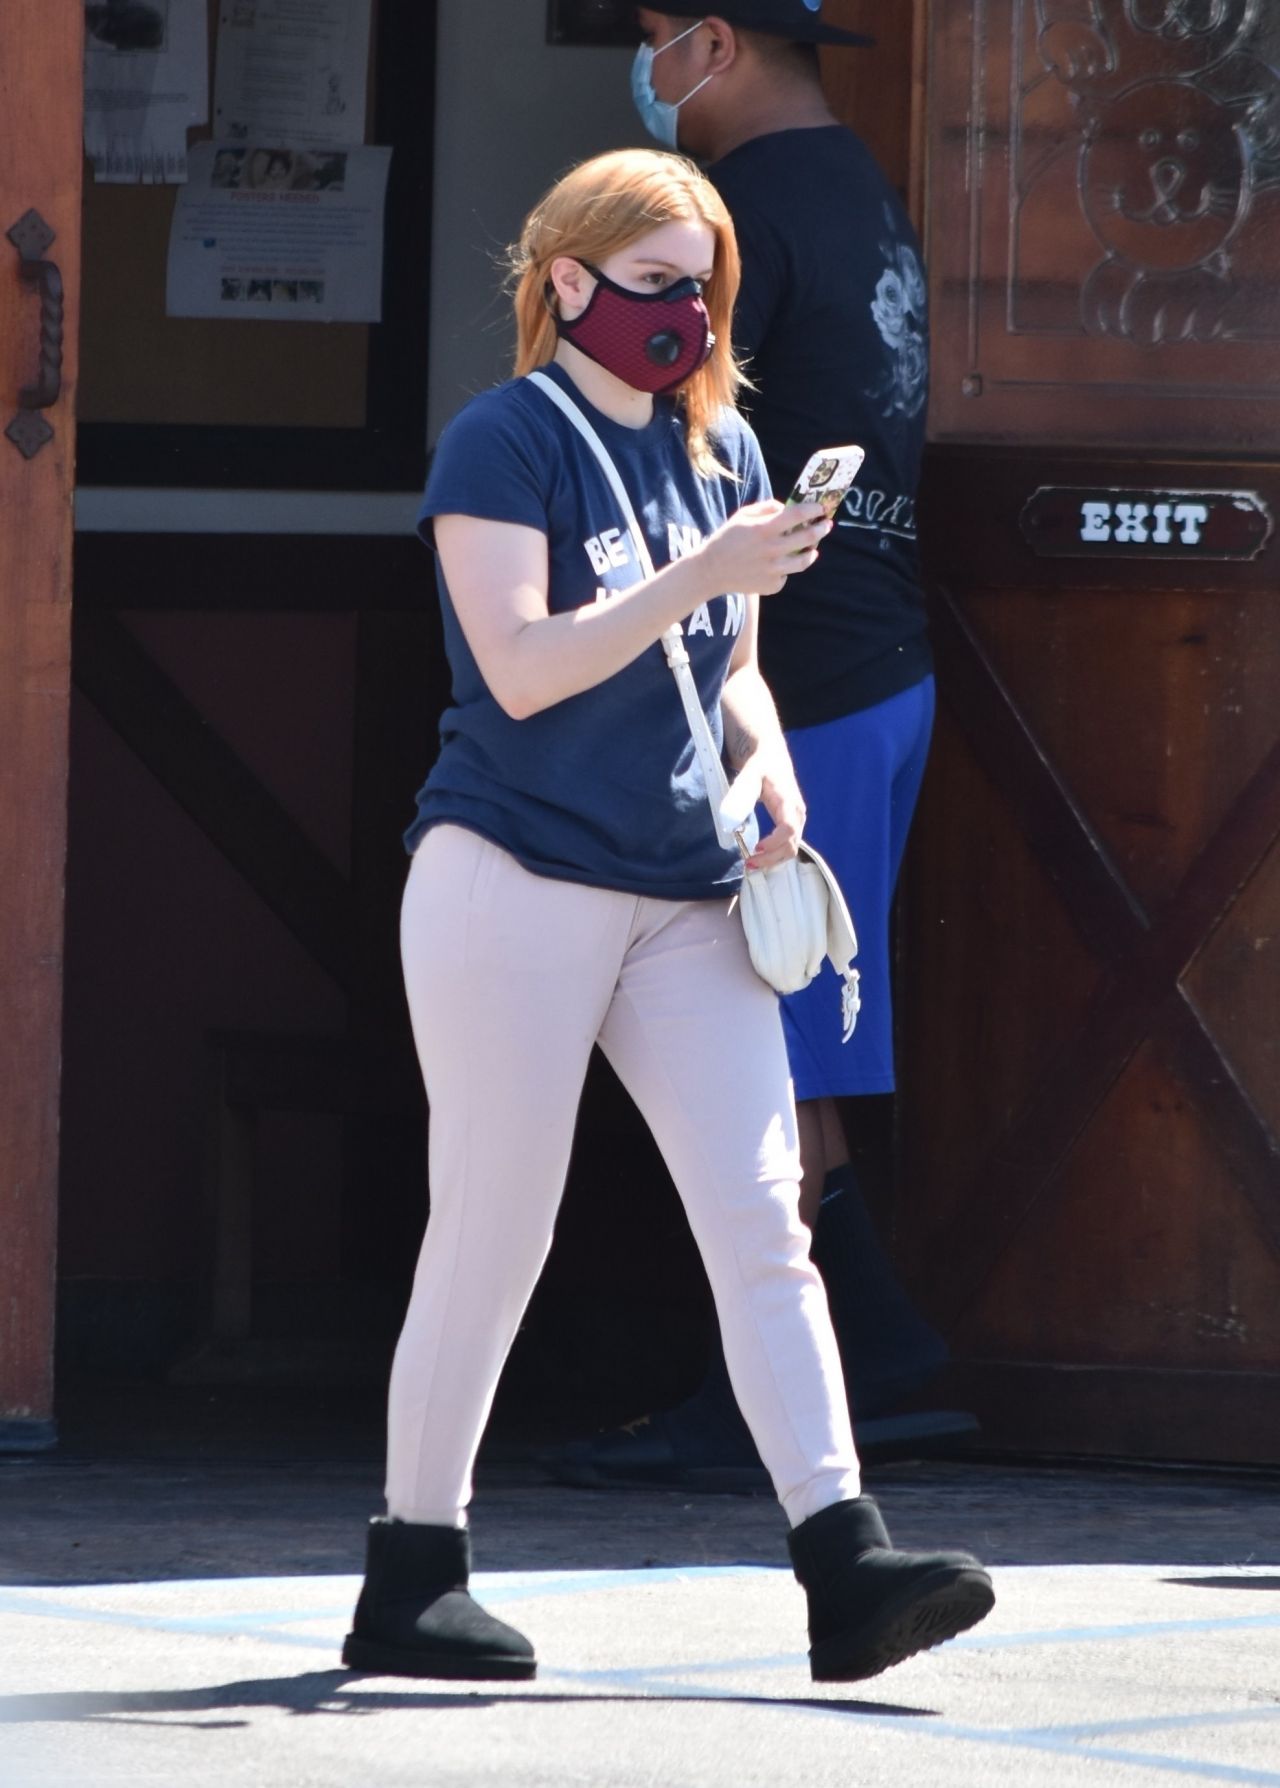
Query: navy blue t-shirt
x=832 y=320
x=603 y=787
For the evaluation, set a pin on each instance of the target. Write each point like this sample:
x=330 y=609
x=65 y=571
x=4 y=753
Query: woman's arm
x=531 y=659
x=756 y=748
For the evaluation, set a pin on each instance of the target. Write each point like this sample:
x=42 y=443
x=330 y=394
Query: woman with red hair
x=569 y=888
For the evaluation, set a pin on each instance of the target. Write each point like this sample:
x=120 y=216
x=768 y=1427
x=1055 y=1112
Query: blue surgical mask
x=658 y=115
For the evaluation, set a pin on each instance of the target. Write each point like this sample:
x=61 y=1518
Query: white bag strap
x=842 y=941
x=713 y=776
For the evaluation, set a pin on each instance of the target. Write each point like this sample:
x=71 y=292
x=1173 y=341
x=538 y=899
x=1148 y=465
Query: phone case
x=827 y=477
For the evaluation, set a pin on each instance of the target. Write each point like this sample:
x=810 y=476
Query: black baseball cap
x=797 y=20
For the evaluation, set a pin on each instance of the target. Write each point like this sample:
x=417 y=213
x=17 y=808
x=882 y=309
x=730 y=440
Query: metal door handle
x=31 y=236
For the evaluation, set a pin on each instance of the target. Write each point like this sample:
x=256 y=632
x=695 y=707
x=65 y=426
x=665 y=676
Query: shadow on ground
x=330 y=1692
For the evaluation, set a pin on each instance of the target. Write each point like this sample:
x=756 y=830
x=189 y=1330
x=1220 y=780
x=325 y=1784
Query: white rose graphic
x=899 y=309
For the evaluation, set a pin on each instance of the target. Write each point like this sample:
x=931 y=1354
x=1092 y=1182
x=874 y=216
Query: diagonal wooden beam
x=1054 y=824
x=1248 y=1145
x=1141 y=994
x=197 y=767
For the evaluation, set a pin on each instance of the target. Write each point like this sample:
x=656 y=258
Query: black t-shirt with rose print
x=832 y=322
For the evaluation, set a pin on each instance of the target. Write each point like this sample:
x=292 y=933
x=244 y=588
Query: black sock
x=886 y=1346
x=708 y=1427
x=887 y=1349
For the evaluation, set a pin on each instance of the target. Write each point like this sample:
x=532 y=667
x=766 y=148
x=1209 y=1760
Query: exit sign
x=1080 y=522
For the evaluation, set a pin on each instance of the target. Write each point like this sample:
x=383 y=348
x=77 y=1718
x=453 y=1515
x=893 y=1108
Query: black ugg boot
x=869 y=1606
x=416 y=1618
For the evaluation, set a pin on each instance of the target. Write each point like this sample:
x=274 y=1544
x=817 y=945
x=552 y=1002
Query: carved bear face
x=1165 y=181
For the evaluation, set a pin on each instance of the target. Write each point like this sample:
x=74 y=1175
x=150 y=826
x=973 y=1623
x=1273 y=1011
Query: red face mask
x=652 y=341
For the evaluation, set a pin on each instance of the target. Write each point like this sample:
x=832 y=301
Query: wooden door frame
x=1040 y=1111
x=40 y=162
x=1145 y=961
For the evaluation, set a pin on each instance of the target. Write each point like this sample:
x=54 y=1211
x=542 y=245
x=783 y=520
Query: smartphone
x=827 y=478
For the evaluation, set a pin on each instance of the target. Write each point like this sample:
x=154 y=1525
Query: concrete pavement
x=165 y=1620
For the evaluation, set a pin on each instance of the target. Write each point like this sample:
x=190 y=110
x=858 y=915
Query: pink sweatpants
x=511 y=978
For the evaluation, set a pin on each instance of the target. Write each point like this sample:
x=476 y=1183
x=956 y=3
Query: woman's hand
x=781 y=799
x=762 y=544
x=757 y=750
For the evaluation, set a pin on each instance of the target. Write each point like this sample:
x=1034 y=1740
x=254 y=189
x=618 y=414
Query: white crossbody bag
x=794 y=915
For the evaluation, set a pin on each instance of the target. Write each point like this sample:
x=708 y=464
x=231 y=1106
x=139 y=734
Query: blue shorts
x=860 y=777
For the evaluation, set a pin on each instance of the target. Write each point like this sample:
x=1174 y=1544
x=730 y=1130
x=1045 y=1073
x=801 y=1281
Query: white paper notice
x=279 y=235
x=146 y=79
x=291 y=71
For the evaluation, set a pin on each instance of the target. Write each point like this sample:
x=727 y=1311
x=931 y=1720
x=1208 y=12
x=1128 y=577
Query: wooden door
x=1091 y=927
x=41 y=53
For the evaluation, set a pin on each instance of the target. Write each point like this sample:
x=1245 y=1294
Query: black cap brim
x=809 y=30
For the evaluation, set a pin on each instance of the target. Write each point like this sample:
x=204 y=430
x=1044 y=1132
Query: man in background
x=831 y=323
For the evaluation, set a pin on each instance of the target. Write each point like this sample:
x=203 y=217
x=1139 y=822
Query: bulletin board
x=205 y=401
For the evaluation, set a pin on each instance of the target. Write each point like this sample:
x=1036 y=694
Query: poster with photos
x=263 y=234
